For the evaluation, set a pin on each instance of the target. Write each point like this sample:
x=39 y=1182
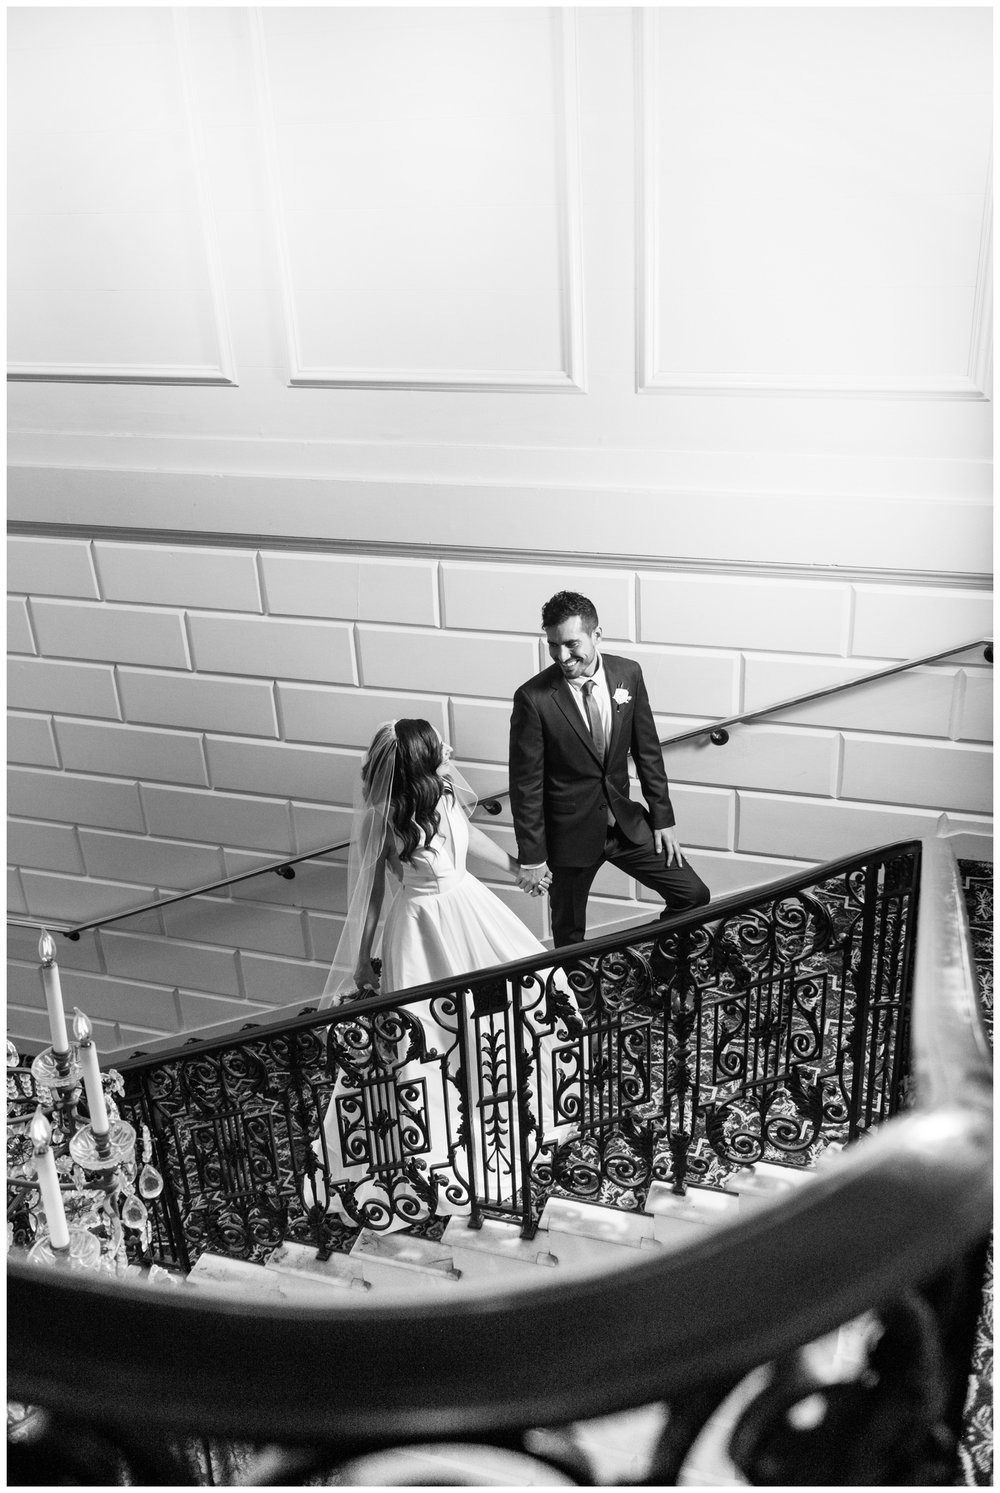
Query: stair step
x=678 y=1220
x=496 y=1249
x=573 y=1238
x=584 y=1238
x=592 y=1221
x=828 y=1156
x=219 y=1274
x=404 y=1261
x=299 y=1261
x=764 y=1182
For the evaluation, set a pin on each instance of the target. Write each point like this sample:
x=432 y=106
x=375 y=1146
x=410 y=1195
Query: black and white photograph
x=499 y=735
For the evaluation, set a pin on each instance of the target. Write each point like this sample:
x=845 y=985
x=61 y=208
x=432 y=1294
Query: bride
x=392 y=1131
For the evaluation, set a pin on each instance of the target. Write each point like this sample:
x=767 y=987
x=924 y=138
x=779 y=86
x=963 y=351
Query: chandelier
x=76 y=1193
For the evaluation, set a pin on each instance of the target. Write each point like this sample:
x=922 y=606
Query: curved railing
x=895 y=1226
x=716 y=731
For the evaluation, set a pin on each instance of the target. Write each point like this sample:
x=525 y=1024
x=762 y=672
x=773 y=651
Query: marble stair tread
x=680 y=1220
x=764 y=1182
x=496 y=1245
x=217 y=1273
x=828 y=1156
x=585 y=1239
x=572 y=1238
x=592 y=1221
x=299 y=1261
x=388 y=1259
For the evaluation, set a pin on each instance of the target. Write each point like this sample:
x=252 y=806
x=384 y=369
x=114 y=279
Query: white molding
x=570 y=200
x=802 y=476
x=981 y=342
x=581 y=560
x=569 y=379
x=269 y=146
x=650 y=379
x=345 y=515
x=827 y=385
x=118 y=373
x=646 y=214
x=210 y=235
x=223 y=372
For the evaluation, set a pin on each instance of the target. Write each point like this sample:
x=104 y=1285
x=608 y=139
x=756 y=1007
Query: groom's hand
x=665 y=840
x=534 y=879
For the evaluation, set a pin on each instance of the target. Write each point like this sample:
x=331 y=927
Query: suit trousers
x=679 y=886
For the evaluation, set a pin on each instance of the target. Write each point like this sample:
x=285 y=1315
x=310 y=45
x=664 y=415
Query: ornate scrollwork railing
x=750 y=1003
x=763 y=1027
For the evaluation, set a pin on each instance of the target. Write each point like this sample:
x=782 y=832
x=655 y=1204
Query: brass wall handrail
x=279 y=868
x=885 y=1217
x=716 y=731
x=830 y=689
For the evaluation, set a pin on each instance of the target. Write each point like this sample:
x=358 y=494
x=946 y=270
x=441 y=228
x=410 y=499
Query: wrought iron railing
x=760 y=1028
x=895 y=1226
x=715 y=731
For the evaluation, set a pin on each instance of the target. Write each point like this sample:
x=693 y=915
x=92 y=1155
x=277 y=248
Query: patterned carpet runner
x=977 y=1439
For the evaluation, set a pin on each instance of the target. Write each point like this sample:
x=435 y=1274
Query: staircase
x=574 y=1238
x=774 y=1027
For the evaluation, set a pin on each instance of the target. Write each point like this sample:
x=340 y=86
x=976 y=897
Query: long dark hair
x=416 y=787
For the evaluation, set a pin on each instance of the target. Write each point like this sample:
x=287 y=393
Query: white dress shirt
x=601 y=697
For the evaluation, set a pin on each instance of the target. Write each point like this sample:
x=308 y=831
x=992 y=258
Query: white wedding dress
x=400 y=1118
x=443 y=921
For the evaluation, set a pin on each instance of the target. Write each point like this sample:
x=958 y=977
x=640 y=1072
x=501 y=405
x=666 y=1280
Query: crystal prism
x=134 y=1213
x=150 y=1182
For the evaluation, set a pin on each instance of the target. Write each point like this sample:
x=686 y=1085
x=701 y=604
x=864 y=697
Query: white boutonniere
x=621 y=696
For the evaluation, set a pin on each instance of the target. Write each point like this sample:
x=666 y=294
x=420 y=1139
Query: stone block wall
x=183 y=712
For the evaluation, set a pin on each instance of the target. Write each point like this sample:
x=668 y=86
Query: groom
x=572 y=730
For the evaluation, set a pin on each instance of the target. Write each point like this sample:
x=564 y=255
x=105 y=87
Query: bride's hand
x=365 y=976
x=536 y=881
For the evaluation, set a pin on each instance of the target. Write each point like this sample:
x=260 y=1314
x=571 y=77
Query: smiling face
x=573 y=648
x=447 y=752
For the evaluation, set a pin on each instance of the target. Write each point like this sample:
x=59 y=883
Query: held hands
x=535 y=880
x=666 y=840
x=364 y=975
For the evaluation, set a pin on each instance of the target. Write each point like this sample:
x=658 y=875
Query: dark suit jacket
x=560 y=791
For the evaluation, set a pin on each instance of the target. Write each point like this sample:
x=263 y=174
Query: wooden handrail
x=888 y=1214
x=491 y=805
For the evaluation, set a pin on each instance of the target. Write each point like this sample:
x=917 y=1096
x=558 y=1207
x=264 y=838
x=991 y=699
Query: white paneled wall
x=420 y=164
x=412 y=240
x=235 y=734
x=838 y=171
x=115 y=254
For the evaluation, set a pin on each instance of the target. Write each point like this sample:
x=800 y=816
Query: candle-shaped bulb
x=40 y=1131
x=53 y=993
x=91 y=1073
x=48 y=1180
x=13 y=1056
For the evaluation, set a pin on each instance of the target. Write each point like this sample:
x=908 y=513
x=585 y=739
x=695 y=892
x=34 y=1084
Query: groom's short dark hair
x=566 y=604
